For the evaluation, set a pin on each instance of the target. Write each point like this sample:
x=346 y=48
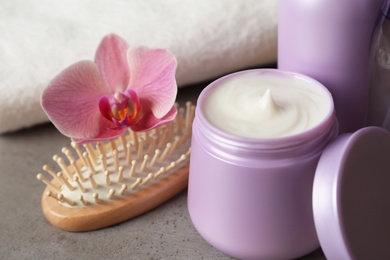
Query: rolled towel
x=209 y=38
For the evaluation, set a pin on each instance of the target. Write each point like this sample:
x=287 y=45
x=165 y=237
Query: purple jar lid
x=351 y=196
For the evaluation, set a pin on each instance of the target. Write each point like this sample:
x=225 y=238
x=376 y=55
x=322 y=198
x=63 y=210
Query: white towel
x=209 y=38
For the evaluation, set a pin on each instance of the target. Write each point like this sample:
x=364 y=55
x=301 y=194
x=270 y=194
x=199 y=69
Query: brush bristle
x=104 y=171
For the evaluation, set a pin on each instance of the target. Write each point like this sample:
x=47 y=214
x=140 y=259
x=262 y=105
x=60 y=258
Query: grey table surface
x=165 y=232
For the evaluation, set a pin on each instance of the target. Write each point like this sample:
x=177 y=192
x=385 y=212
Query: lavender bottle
x=329 y=40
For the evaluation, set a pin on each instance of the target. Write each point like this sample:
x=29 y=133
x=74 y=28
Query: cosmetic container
x=252 y=197
x=329 y=40
x=278 y=198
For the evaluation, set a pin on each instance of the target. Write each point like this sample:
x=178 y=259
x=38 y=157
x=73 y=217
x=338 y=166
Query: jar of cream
x=257 y=138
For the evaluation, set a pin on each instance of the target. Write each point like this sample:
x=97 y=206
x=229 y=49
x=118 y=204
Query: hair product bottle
x=329 y=40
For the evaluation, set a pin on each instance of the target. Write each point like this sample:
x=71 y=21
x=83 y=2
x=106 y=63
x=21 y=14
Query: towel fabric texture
x=209 y=38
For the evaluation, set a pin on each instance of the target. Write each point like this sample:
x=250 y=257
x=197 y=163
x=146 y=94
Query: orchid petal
x=153 y=78
x=112 y=62
x=149 y=121
x=71 y=101
x=105 y=108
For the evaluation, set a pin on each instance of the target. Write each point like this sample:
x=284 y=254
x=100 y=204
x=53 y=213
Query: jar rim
x=218 y=135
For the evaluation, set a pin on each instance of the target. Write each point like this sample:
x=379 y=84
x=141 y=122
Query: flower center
x=122 y=108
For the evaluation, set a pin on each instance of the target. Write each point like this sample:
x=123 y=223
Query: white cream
x=266 y=105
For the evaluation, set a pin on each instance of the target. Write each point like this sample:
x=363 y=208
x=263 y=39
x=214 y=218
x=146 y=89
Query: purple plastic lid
x=351 y=196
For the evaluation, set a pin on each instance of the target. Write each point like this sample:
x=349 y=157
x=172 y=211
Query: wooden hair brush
x=105 y=183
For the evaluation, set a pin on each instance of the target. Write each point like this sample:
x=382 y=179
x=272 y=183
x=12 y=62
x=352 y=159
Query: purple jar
x=251 y=198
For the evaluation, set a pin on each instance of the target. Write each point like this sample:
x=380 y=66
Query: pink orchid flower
x=124 y=88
